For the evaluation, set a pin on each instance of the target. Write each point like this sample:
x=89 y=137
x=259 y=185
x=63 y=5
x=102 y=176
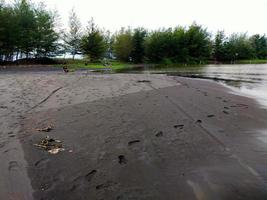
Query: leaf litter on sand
x=45 y=129
x=50 y=145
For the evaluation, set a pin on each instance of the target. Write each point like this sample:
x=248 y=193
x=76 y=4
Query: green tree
x=180 y=52
x=45 y=37
x=123 y=45
x=73 y=37
x=219 y=46
x=8 y=32
x=26 y=27
x=198 y=43
x=26 y=30
x=93 y=43
x=179 y=45
x=159 y=46
x=259 y=44
x=138 y=50
x=238 y=47
x=109 y=38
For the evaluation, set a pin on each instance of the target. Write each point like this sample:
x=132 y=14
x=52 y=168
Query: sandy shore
x=125 y=138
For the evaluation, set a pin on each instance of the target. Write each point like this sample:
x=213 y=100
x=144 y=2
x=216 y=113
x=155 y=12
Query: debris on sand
x=45 y=129
x=54 y=151
x=50 y=145
x=65 y=69
x=143 y=81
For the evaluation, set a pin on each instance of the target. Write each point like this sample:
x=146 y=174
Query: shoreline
x=191 y=137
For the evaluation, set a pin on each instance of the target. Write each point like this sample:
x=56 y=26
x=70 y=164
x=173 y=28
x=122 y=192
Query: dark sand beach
x=129 y=136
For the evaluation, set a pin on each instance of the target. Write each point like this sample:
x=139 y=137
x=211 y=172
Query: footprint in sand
x=10 y=134
x=133 y=142
x=105 y=185
x=90 y=175
x=199 y=121
x=180 y=126
x=13 y=166
x=3 y=144
x=122 y=159
x=225 y=112
x=80 y=180
x=41 y=163
x=159 y=134
x=210 y=116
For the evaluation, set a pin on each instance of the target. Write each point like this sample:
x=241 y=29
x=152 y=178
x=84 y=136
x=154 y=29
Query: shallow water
x=249 y=80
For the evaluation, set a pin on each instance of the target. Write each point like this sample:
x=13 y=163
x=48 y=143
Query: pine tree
x=93 y=43
x=73 y=37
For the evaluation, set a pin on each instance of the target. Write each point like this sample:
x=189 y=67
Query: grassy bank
x=255 y=61
x=83 y=64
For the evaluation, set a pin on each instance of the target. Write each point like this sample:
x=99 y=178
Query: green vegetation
x=26 y=31
x=179 y=45
x=240 y=47
x=72 y=37
x=93 y=43
x=253 y=61
x=138 y=50
x=30 y=31
x=84 y=64
x=123 y=45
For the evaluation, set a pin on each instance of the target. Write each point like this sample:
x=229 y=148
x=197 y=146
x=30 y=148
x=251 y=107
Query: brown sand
x=170 y=138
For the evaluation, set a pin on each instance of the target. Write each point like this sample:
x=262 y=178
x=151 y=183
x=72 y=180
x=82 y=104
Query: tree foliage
x=72 y=38
x=123 y=45
x=8 y=32
x=45 y=38
x=179 y=45
x=238 y=47
x=26 y=30
x=93 y=43
x=259 y=46
x=138 y=46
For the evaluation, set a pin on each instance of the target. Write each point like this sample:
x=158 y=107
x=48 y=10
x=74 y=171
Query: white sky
x=229 y=15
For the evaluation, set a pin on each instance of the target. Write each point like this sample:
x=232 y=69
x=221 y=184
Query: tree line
x=31 y=31
x=26 y=30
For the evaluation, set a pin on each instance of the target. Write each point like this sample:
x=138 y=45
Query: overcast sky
x=229 y=15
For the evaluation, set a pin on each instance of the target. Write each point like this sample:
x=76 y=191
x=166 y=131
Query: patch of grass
x=84 y=64
x=255 y=61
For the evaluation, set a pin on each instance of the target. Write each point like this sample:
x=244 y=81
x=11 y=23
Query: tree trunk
x=17 y=55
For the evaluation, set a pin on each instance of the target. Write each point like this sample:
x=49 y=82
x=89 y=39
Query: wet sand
x=125 y=138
